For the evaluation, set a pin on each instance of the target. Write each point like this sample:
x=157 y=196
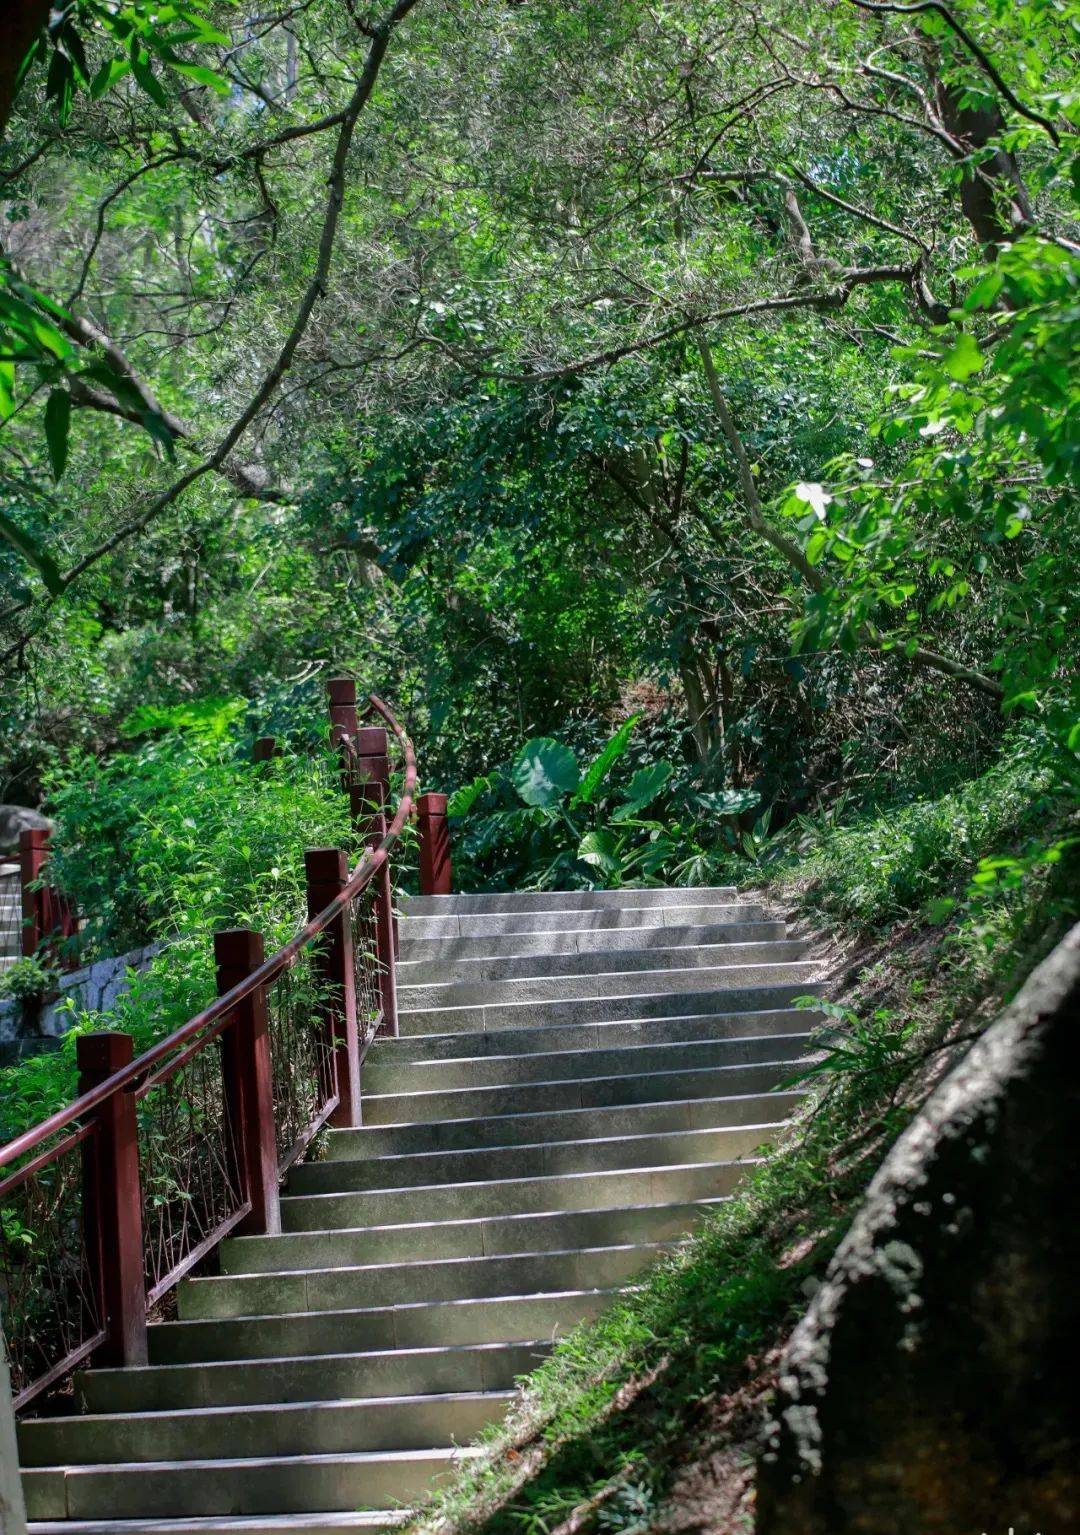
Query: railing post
x=46 y=915
x=435 y=878
x=265 y=748
x=247 y=1081
x=112 y=1199
x=33 y=856
x=327 y=870
x=341 y=692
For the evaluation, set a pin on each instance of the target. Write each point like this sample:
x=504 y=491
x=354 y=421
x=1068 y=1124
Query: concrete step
x=570 y=919
x=366 y=1522
x=740 y=966
x=542 y=1232
x=378 y=1372
x=531 y=1128
x=477 y=969
x=267 y=1485
x=386 y=1074
x=318 y=1427
x=741 y=992
x=563 y=900
x=560 y=1191
x=505 y=1319
x=677 y=1028
x=774 y=1065
x=287 y=1292
x=488 y=1163
x=588 y=940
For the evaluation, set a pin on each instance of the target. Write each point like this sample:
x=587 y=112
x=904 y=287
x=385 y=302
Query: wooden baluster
x=327 y=870
x=435 y=872
x=247 y=1078
x=112 y=1200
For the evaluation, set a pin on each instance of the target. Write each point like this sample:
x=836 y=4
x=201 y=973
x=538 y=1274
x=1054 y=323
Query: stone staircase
x=578 y=1075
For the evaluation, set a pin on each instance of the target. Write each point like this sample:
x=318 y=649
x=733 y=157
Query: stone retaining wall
x=93 y=988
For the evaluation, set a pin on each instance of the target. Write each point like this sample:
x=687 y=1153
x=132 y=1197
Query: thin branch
x=882 y=7
x=792 y=552
x=315 y=290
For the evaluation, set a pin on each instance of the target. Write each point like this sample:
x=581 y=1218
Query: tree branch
x=882 y=7
x=793 y=554
x=316 y=288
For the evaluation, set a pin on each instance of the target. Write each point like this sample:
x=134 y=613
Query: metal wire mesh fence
x=367 y=972
x=192 y=1191
x=10 y=915
x=48 y=1276
x=128 y=1188
x=302 y=1055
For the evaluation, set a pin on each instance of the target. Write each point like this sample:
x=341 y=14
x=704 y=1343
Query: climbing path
x=577 y=1075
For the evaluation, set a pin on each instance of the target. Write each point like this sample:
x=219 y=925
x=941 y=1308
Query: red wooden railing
x=48 y=922
x=109 y=1202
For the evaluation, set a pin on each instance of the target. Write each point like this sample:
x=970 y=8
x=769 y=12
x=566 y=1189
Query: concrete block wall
x=25 y=1030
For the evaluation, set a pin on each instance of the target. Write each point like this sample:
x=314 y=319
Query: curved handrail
x=128 y=1076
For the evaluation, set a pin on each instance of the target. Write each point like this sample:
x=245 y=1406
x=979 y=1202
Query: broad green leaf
x=462 y=800
x=140 y=65
x=964 y=359
x=602 y=764
x=599 y=849
x=544 y=771
x=7 y=389
x=642 y=789
x=111 y=71
x=729 y=801
x=202 y=76
x=58 y=429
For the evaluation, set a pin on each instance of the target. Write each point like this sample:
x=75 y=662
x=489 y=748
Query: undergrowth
x=170 y=842
x=604 y=1424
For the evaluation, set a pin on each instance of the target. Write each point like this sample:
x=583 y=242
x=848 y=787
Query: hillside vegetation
x=673 y=409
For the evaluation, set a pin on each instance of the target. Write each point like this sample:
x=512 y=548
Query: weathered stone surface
x=14 y=820
x=928 y=1390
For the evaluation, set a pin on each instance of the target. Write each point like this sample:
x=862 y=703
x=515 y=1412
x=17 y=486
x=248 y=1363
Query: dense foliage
x=699 y=379
x=168 y=842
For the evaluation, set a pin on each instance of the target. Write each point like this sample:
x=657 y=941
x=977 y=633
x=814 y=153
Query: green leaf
x=33 y=553
x=544 y=771
x=140 y=64
x=462 y=800
x=599 y=849
x=964 y=359
x=58 y=429
x=111 y=71
x=729 y=801
x=7 y=389
x=602 y=764
x=202 y=76
x=642 y=789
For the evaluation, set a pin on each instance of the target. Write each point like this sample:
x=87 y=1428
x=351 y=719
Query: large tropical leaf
x=544 y=771
x=602 y=764
x=600 y=849
x=642 y=789
x=462 y=800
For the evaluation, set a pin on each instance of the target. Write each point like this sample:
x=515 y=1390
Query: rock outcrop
x=14 y=820
x=928 y=1391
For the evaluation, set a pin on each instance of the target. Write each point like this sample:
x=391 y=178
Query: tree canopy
x=522 y=354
